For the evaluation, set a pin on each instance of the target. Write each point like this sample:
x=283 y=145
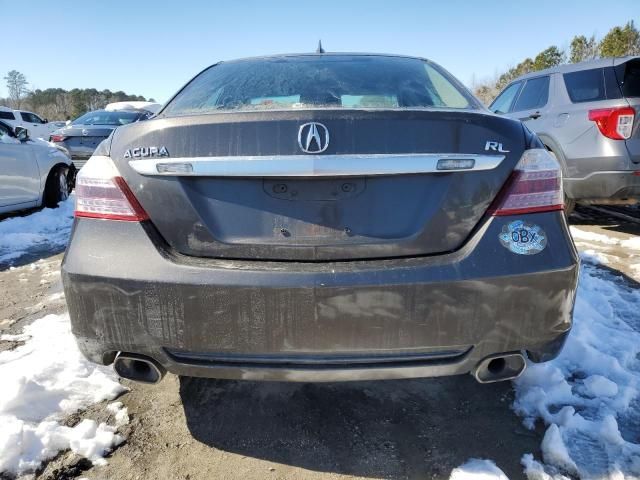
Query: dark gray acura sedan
x=321 y=217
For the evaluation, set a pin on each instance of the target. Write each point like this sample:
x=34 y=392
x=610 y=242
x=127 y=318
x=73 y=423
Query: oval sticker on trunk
x=523 y=238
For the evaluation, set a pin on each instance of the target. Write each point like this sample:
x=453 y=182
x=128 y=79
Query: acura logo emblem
x=313 y=137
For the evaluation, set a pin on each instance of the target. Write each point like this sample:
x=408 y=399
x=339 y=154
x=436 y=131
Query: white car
x=38 y=127
x=34 y=173
x=152 y=107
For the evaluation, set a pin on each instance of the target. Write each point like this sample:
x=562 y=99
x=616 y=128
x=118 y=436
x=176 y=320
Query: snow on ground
x=476 y=469
x=606 y=249
x=588 y=396
x=43 y=381
x=47 y=229
x=582 y=235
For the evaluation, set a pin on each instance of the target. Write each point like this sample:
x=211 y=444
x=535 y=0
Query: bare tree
x=17 y=86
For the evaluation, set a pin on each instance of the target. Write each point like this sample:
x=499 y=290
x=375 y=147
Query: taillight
x=615 y=123
x=102 y=193
x=534 y=186
x=57 y=138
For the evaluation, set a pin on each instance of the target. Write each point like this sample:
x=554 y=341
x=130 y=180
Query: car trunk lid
x=375 y=192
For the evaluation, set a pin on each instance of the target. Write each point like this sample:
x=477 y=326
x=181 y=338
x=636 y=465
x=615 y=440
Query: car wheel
x=57 y=187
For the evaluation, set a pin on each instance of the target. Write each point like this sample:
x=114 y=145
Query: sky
x=152 y=48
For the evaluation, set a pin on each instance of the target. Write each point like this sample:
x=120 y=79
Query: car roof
x=115 y=111
x=320 y=55
x=576 y=67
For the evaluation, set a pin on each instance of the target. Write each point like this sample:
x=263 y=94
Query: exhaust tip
x=138 y=368
x=496 y=368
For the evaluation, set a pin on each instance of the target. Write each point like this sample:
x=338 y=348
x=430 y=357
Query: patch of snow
x=48 y=228
x=554 y=451
x=589 y=395
x=599 y=386
x=43 y=381
x=578 y=234
x=22 y=337
x=55 y=297
x=594 y=257
x=120 y=413
x=536 y=471
x=476 y=469
x=632 y=243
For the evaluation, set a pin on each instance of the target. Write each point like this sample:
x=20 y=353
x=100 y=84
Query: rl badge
x=523 y=238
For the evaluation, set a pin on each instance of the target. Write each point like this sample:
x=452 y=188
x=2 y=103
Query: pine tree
x=583 y=48
x=548 y=58
x=621 y=41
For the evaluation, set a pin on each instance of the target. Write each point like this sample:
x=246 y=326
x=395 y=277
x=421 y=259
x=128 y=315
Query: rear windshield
x=629 y=77
x=342 y=81
x=107 y=118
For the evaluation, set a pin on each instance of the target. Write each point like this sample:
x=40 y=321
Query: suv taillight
x=57 y=138
x=615 y=123
x=102 y=193
x=534 y=186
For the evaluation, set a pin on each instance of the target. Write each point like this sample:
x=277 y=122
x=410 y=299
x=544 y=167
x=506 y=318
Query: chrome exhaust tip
x=138 y=368
x=503 y=366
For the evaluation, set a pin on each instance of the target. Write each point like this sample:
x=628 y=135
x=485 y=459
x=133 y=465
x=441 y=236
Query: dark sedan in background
x=83 y=135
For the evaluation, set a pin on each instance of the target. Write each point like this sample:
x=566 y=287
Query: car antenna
x=320 y=49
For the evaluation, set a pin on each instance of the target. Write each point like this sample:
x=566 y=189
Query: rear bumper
x=612 y=185
x=295 y=321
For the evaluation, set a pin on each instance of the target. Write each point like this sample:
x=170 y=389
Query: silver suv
x=584 y=113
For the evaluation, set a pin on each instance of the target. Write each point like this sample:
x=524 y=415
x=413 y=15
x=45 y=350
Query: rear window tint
x=535 y=94
x=340 y=81
x=30 y=117
x=611 y=86
x=585 y=86
x=629 y=77
x=7 y=115
x=103 y=117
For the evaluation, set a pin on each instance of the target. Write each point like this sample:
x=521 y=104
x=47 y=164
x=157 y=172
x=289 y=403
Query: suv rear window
x=7 y=115
x=340 y=81
x=629 y=78
x=592 y=85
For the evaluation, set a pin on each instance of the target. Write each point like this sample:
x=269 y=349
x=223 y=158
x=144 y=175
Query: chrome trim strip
x=309 y=165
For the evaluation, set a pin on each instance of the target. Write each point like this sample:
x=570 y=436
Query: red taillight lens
x=615 y=123
x=102 y=193
x=57 y=138
x=534 y=186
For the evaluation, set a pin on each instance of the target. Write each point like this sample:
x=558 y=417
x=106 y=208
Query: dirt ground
x=187 y=428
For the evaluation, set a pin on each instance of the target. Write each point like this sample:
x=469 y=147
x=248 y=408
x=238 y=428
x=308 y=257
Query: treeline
x=618 y=42
x=57 y=103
